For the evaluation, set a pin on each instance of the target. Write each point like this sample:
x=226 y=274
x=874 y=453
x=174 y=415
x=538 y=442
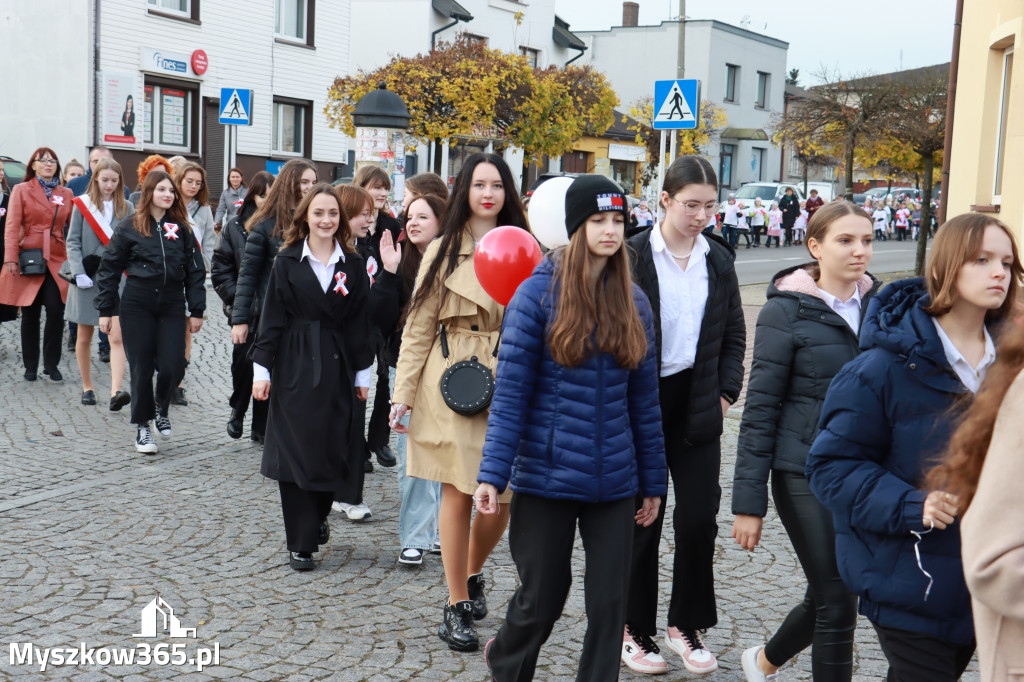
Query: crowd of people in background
x=613 y=367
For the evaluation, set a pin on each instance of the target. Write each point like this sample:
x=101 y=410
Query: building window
x=292 y=20
x=830 y=173
x=177 y=9
x=795 y=167
x=475 y=38
x=732 y=75
x=757 y=163
x=1004 y=111
x=762 y=90
x=725 y=164
x=532 y=56
x=289 y=128
x=167 y=119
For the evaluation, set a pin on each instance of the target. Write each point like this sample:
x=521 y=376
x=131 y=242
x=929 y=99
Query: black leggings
x=828 y=614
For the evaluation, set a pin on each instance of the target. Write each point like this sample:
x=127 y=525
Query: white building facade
x=741 y=71
x=172 y=58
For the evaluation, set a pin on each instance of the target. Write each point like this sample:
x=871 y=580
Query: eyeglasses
x=192 y=183
x=694 y=207
x=48 y=162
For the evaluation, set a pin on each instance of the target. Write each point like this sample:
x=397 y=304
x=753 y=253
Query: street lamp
x=381 y=108
x=381 y=118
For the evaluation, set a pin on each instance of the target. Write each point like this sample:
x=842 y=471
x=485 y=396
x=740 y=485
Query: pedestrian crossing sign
x=235 y=106
x=676 y=104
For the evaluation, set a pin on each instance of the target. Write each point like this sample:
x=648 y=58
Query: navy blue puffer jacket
x=887 y=415
x=590 y=433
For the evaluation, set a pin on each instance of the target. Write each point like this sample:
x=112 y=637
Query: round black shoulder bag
x=467 y=386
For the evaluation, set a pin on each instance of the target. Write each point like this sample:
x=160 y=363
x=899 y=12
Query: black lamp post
x=381 y=108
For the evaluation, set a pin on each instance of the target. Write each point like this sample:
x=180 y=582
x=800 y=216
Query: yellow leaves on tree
x=712 y=119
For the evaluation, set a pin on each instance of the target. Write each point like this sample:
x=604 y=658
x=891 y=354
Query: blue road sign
x=235 y=106
x=676 y=104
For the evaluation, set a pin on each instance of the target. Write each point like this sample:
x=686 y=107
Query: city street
x=754 y=266
x=93 y=533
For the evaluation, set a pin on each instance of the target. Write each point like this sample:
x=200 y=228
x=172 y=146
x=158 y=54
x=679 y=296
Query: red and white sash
x=99 y=223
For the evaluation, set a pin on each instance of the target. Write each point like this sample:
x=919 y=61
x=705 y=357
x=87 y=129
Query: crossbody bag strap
x=444 y=346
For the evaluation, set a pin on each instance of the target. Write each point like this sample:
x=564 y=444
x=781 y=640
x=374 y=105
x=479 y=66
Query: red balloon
x=504 y=258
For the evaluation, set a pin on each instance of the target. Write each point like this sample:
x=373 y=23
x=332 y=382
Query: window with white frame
x=795 y=167
x=167 y=117
x=532 y=56
x=177 y=6
x=732 y=76
x=292 y=18
x=762 y=90
x=1004 y=111
x=289 y=128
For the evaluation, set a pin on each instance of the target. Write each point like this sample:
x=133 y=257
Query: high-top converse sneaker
x=144 y=440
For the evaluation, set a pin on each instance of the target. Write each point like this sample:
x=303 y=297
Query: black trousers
x=378 y=433
x=303 y=511
x=352 y=490
x=153 y=328
x=916 y=657
x=47 y=297
x=541 y=534
x=827 y=617
x=241 y=387
x=694 y=471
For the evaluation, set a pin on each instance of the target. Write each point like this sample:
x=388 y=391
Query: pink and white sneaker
x=640 y=653
x=689 y=645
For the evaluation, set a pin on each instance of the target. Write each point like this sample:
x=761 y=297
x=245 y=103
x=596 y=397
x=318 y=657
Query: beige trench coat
x=992 y=536
x=442 y=445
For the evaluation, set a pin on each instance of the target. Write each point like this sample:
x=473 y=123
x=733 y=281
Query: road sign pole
x=661 y=173
x=672 y=152
x=227 y=152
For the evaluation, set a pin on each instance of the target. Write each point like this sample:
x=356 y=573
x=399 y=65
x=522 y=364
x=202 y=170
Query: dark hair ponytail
x=689 y=170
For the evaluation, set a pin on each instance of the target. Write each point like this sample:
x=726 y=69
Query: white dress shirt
x=970 y=376
x=324 y=273
x=849 y=310
x=684 y=295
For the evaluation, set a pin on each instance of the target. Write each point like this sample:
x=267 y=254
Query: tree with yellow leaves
x=695 y=141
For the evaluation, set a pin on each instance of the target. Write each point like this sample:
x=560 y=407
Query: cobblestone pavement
x=92 y=532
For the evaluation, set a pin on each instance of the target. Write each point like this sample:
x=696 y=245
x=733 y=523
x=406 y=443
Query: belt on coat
x=314 y=326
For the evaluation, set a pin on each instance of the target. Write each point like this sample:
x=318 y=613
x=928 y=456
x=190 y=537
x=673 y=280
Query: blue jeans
x=729 y=234
x=420 y=498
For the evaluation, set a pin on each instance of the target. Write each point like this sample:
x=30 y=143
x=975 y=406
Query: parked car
x=767 y=192
x=14 y=170
x=884 y=193
x=544 y=177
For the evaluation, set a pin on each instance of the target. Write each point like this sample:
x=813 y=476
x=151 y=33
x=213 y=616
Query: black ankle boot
x=476 y=595
x=457 y=628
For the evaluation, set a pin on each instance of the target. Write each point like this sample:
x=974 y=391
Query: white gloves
x=83 y=281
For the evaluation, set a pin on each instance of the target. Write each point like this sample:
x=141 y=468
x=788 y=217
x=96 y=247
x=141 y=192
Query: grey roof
x=452 y=9
x=561 y=34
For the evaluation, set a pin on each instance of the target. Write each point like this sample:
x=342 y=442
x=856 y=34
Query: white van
x=766 y=191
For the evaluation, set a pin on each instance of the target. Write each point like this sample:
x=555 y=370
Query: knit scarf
x=48 y=186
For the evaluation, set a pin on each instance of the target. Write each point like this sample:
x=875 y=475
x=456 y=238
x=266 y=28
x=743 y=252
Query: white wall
x=45 y=83
x=383 y=28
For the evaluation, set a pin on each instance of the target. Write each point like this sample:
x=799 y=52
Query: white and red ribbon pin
x=372 y=268
x=57 y=199
x=171 y=231
x=340 y=287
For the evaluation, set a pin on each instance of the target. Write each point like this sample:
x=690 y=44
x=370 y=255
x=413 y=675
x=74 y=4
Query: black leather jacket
x=167 y=260
x=254 y=272
x=227 y=262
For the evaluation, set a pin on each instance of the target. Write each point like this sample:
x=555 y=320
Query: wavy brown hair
x=177 y=213
x=284 y=195
x=120 y=203
x=203 y=195
x=589 y=320
x=299 y=227
x=960 y=467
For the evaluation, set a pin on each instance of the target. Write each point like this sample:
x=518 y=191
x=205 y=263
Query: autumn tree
x=695 y=141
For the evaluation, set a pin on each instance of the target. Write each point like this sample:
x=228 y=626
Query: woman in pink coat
x=37 y=218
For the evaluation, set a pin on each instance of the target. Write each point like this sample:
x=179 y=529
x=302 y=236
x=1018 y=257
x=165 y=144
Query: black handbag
x=31 y=261
x=467 y=386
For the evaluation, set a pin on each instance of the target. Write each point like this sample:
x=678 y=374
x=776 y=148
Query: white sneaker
x=411 y=556
x=144 y=442
x=640 y=653
x=690 y=647
x=751 y=669
x=354 y=512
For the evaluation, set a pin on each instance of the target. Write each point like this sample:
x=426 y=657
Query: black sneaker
x=325 y=533
x=104 y=355
x=457 y=629
x=88 y=398
x=476 y=595
x=300 y=561
x=119 y=400
x=386 y=457
x=163 y=425
x=144 y=442
x=53 y=374
x=178 y=398
x=367 y=466
x=30 y=375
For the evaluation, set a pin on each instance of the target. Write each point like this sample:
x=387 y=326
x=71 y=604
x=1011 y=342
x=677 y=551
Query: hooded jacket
x=590 y=433
x=799 y=345
x=886 y=417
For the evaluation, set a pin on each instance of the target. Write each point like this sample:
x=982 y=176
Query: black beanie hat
x=590 y=194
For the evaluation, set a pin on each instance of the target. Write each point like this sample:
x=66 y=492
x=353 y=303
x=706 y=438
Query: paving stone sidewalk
x=93 y=532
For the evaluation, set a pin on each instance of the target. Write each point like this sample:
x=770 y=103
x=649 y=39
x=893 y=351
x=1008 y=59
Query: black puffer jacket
x=254 y=272
x=227 y=261
x=800 y=344
x=718 y=367
x=166 y=261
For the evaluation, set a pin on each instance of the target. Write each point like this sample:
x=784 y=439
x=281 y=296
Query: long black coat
x=801 y=343
x=313 y=343
x=790 y=207
x=254 y=273
x=718 y=366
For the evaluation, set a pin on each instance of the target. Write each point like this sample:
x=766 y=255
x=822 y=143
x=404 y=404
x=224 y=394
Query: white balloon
x=547 y=212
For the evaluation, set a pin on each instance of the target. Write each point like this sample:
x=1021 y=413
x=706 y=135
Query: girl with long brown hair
x=155 y=248
x=888 y=414
x=316 y=306
x=443 y=445
x=575 y=414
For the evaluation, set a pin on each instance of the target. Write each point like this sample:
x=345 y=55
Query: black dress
x=313 y=343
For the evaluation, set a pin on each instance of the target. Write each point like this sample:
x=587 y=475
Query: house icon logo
x=158 y=617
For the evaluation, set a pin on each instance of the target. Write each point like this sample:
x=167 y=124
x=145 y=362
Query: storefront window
x=624 y=173
x=167 y=117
